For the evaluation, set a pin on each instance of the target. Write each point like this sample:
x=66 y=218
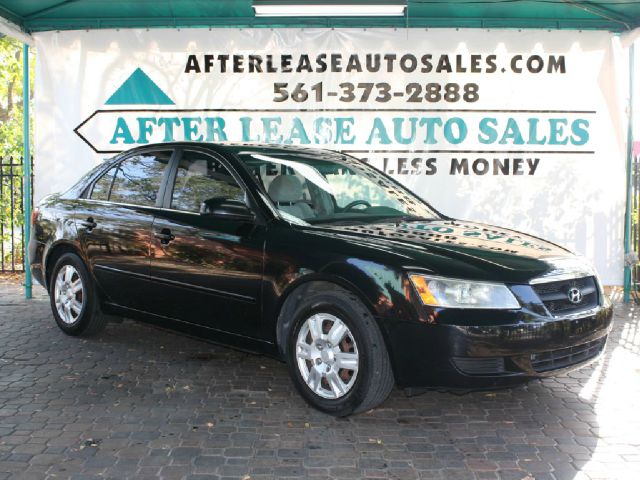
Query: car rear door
x=114 y=225
x=207 y=267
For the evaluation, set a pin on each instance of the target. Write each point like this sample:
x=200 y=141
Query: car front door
x=114 y=225
x=207 y=266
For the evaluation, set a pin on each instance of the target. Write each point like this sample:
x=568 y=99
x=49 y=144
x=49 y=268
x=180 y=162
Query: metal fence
x=11 y=215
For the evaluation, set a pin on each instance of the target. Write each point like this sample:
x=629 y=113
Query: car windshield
x=328 y=187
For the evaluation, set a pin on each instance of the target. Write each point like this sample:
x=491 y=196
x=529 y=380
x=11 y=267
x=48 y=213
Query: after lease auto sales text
x=363 y=104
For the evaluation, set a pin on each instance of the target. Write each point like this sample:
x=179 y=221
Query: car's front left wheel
x=74 y=297
x=336 y=354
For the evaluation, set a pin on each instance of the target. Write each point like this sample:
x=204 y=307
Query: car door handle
x=165 y=236
x=89 y=224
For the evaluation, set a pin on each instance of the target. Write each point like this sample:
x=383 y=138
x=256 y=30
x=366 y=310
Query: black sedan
x=318 y=259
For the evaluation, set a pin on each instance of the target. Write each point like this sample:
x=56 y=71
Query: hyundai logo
x=574 y=295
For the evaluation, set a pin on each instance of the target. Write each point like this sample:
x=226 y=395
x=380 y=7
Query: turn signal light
x=423 y=290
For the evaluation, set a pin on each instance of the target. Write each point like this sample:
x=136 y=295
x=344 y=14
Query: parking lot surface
x=140 y=402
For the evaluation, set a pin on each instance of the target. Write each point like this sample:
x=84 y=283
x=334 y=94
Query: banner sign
x=522 y=129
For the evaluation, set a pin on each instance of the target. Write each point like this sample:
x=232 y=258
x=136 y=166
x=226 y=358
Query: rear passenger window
x=102 y=187
x=135 y=180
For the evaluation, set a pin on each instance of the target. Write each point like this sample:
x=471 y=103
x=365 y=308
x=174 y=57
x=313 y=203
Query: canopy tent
x=20 y=18
x=41 y=15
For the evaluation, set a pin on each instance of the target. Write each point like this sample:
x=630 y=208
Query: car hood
x=463 y=249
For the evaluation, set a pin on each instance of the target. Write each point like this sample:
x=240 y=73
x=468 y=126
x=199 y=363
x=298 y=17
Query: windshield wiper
x=412 y=218
x=335 y=221
x=371 y=219
x=406 y=218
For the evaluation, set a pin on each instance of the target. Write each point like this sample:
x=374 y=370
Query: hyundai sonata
x=320 y=260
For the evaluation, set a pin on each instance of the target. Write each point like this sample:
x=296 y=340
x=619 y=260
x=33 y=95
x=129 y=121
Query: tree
x=11 y=142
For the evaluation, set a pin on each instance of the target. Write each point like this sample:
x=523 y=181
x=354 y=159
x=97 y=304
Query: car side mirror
x=226 y=208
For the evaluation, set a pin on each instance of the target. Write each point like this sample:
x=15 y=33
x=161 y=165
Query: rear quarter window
x=136 y=180
x=102 y=187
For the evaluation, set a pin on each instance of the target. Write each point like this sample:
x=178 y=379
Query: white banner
x=523 y=129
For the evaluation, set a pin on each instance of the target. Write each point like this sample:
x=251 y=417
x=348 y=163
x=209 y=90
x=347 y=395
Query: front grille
x=555 y=295
x=565 y=357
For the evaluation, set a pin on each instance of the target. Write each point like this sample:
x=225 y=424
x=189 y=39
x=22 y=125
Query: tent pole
x=627 y=219
x=26 y=162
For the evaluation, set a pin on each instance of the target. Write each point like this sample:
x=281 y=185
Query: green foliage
x=11 y=141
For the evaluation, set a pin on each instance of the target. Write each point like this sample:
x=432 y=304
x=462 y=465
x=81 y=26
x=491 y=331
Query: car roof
x=237 y=147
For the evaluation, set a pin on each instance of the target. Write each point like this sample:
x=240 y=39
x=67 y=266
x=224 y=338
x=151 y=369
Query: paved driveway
x=139 y=402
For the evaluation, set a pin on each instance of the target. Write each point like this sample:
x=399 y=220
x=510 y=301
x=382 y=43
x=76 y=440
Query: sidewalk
x=139 y=402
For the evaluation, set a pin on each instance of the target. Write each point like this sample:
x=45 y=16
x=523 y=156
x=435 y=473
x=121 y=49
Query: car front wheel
x=336 y=354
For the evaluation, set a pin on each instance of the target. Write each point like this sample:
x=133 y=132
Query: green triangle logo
x=139 y=89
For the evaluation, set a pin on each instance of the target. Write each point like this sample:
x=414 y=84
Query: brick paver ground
x=139 y=402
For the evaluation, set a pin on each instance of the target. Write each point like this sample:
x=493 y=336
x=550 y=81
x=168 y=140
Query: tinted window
x=80 y=186
x=201 y=179
x=137 y=179
x=102 y=187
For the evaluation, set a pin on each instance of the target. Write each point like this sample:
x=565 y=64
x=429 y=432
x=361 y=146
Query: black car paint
x=231 y=251
x=236 y=290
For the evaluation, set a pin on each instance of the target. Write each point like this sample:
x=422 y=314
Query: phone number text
x=377 y=92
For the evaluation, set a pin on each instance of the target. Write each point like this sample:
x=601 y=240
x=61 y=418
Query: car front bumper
x=437 y=355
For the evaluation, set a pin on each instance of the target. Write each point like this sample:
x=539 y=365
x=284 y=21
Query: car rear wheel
x=336 y=354
x=74 y=298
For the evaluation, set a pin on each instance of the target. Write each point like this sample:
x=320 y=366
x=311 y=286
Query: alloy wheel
x=68 y=294
x=327 y=355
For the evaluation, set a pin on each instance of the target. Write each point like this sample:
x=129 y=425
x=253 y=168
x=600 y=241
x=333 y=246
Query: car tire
x=336 y=354
x=74 y=298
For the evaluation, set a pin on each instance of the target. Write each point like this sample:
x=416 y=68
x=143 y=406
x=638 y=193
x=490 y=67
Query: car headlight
x=447 y=292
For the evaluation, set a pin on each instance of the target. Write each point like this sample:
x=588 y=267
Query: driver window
x=288 y=188
x=200 y=180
